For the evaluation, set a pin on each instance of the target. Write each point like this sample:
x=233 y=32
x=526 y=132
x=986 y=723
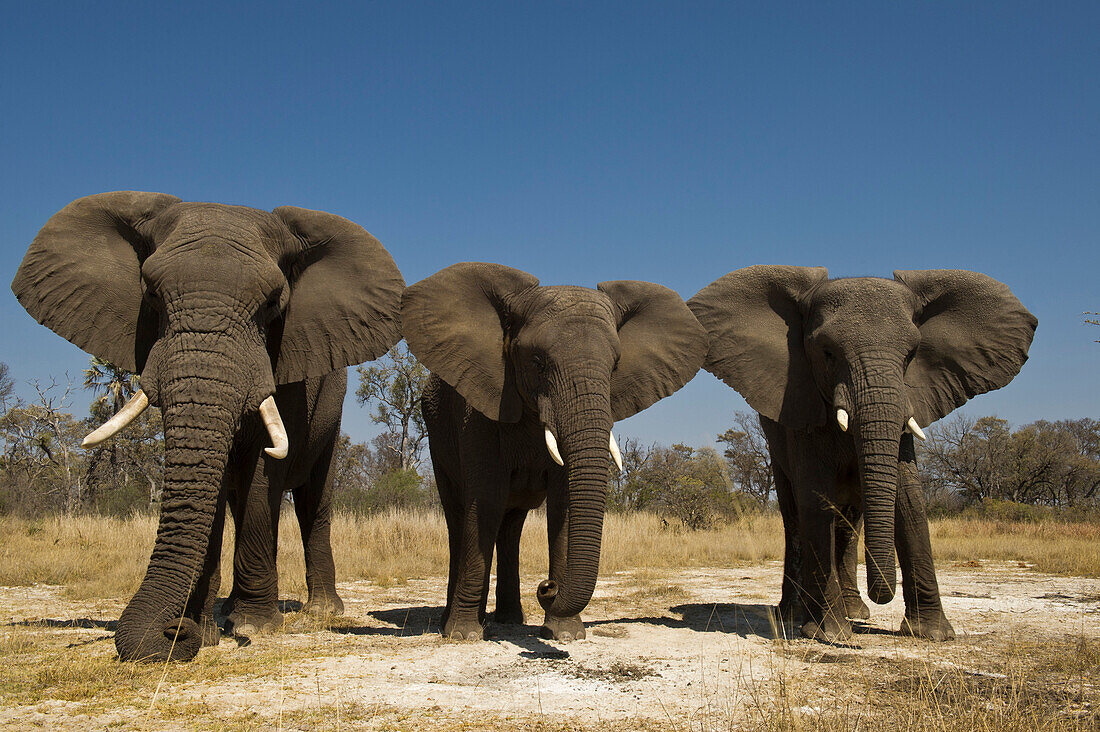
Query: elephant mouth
x=139 y=402
x=555 y=453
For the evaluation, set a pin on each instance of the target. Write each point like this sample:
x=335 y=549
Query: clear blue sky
x=593 y=141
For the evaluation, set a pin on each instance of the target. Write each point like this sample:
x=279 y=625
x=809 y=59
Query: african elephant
x=841 y=370
x=217 y=307
x=526 y=383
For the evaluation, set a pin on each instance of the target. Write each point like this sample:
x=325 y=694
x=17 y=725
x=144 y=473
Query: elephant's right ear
x=755 y=322
x=81 y=277
x=455 y=323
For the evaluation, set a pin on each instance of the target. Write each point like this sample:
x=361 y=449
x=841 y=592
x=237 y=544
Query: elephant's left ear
x=974 y=338
x=345 y=297
x=661 y=345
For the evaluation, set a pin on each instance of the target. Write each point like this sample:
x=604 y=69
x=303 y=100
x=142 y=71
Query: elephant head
x=571 y=359
x=213 y=305
x=863 y=355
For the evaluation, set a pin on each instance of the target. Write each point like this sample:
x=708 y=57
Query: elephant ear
x=456 y=322
x=755 y=320
x=661 y=345
x=345 y=297
x=974 y=337
x=81 y=276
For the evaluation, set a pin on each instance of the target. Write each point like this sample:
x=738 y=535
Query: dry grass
x=97 y=557
x=989 y=683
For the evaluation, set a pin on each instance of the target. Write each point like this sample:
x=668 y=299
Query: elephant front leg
x=848 y=523
x=821 y=591
x=924 y=616
x=508 y=609
x=464 y=618
x=255 y=596
x=553 y=626
x=790 y=603
x=313 y=506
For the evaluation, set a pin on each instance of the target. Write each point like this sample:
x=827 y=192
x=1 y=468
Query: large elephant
x=215 y=306
x=526 y=383
x=840 y=370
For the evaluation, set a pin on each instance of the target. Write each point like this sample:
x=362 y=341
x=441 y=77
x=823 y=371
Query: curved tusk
x=913 y=427
x=552 y=446
x=842 y=420
x=138 y=403
x=274 y=423
x=614 y=447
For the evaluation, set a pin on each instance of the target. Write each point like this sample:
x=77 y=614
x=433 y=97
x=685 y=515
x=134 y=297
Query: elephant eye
x=539 y=361
x=828 y=354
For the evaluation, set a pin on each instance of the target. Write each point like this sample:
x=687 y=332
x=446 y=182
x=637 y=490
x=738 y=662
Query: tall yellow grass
x=97 y=557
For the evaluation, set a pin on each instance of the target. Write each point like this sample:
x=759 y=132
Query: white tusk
x=842 y=420
x=274 y=423
x=913 y=427
x=138 y=403
x=614 y=447
x=552 y=446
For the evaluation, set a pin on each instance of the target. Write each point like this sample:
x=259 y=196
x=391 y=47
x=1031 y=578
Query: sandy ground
x=685 y=646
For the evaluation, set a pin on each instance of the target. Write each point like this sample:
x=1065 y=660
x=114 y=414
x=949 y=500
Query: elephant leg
x=557 y=528
x=453 y=512
x=848 y=524
x=820 y=588
x=200 y=604
x=255 y=581
x=313 y=505
x=483 y=503
x=508 y=608
x=924 y=616
x=790 y=602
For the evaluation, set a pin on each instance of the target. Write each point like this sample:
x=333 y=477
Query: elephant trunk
x=197 y=438
x=584 y=441
x=878 y=425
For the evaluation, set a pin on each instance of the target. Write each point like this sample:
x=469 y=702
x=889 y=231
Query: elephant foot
x=829 y=630
x=324 y=604
x=856 y=609
x=790 y=611
x=211 y=633
x=562 y=629
x=509 y=616
x=243 y=623
x=930 y=626
x=462 y=629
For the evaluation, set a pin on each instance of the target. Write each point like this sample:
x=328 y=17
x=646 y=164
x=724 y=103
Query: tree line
x=965 y=462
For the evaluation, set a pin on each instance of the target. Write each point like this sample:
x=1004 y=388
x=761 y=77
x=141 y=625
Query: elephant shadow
x=745 y=620
x=404 y=622
x=425 y=620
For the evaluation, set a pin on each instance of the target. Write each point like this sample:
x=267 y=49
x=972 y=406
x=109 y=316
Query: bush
x=397 y=489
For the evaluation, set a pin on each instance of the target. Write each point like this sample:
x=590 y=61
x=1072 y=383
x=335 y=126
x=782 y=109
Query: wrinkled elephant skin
x=526 y=383
x=841 y=372
x=217 y=307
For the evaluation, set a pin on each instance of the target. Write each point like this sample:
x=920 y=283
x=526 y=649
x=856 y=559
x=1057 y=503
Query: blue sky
x=593 y=141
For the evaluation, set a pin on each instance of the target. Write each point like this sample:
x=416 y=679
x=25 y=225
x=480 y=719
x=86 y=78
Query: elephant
x=525 y=384
x=218 y=308
x=844 y=372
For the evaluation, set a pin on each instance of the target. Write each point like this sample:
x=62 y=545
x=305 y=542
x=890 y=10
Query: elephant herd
x=242 y=322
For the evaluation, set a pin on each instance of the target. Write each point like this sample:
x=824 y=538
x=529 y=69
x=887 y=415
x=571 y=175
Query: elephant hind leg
x=509 y=609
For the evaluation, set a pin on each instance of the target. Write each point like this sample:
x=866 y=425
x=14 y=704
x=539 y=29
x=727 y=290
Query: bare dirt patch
x=681 y=649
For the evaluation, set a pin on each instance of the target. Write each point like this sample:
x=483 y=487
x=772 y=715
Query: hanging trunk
x=584 y=446
x=197 y=439
x=878 y=425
